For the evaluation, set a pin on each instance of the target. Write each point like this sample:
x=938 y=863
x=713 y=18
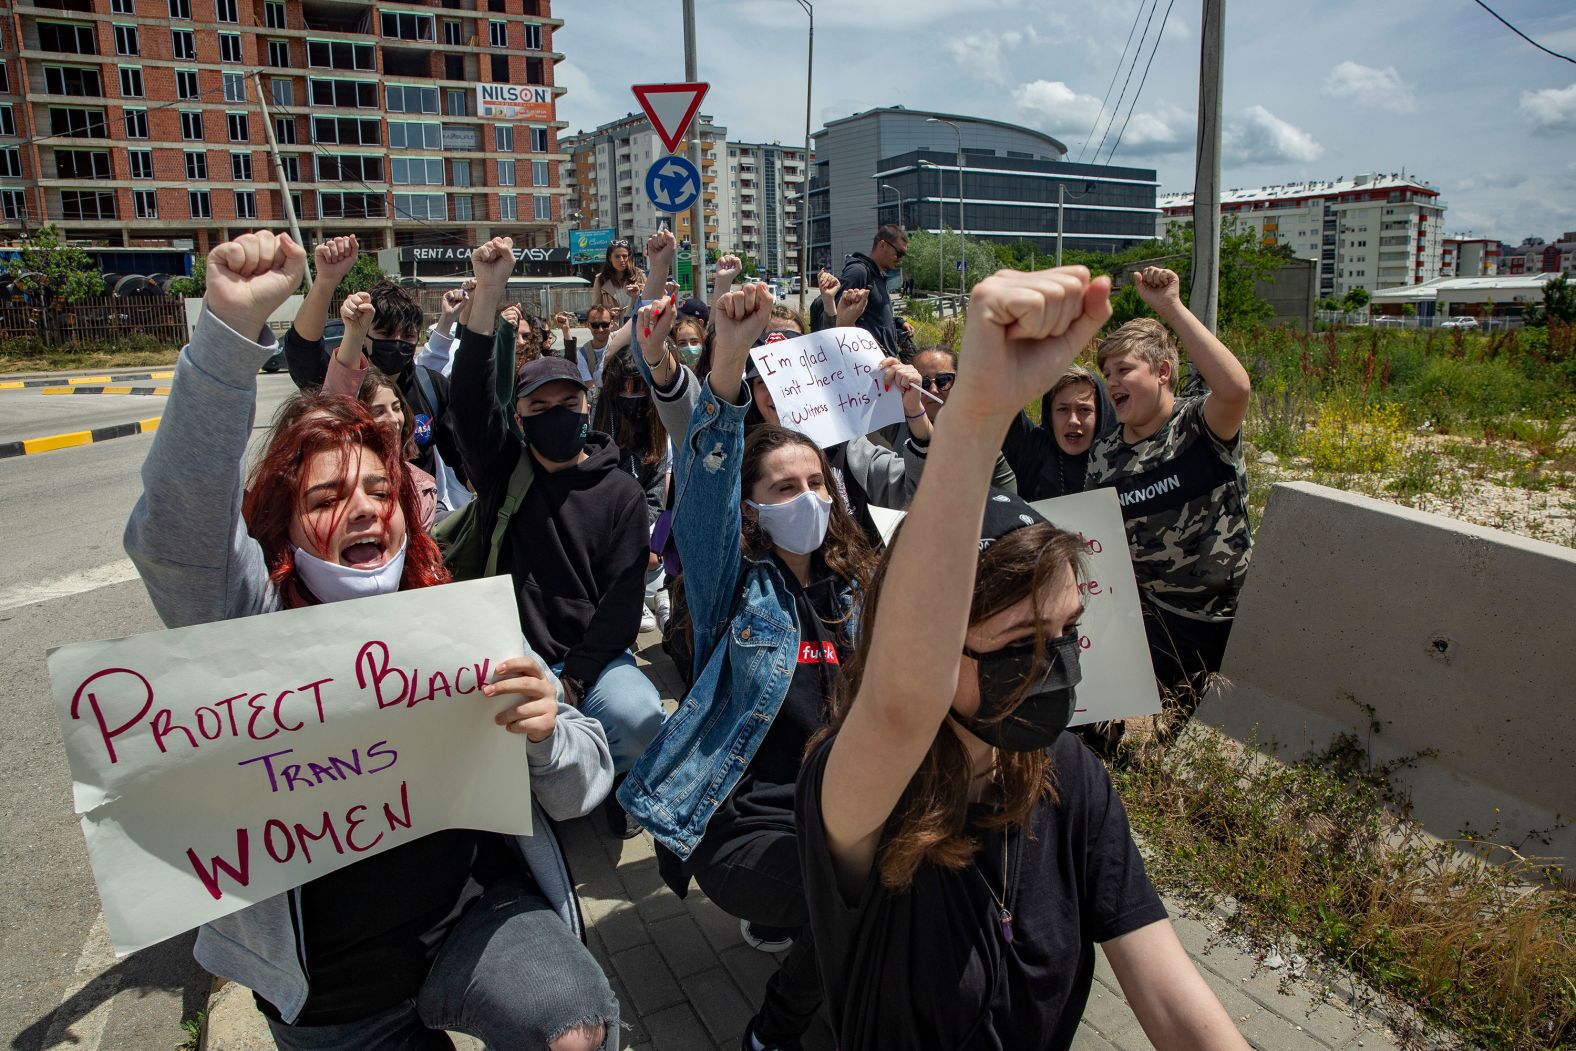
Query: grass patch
x=1316 y=850
x=192 y=1027
x=134 y=351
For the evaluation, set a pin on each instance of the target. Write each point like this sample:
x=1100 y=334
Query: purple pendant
x=1006 y=926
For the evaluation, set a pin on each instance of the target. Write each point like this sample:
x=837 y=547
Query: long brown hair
x=628 y=434
x=846 y=550
x=930 y=822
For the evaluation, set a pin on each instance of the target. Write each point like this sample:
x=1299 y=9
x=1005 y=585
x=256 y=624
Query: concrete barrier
x=1459 y=638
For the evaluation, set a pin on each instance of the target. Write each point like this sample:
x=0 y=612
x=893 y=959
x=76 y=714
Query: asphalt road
x=65 y=578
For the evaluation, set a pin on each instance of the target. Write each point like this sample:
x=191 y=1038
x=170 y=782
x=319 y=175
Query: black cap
x=1005 y=512
x=696 y=308
x=546 y=370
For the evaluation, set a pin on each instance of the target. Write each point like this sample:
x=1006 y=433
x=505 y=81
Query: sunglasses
x=901 y=252
x=941 y=381
x=599 y=324
x=621 y=243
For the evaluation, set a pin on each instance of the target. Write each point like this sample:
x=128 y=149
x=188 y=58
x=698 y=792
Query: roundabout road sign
x=673 y=184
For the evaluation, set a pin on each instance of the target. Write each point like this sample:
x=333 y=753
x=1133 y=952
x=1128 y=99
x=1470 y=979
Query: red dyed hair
x=305 y=426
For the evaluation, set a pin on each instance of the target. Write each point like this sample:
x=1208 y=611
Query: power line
x=1115 y=110
x=1137 y=13
x=1522 y=35
x=1142 y=80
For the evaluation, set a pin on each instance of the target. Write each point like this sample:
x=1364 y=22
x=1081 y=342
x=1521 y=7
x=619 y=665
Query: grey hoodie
x=199 y=564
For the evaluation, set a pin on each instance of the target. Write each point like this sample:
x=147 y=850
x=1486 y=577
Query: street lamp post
x=1061 y=201
x=962 y=242
x=899 y=193
x=804 y=192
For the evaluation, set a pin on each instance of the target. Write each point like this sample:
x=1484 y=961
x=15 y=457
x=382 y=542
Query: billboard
x=589 y=246
x=532 y=102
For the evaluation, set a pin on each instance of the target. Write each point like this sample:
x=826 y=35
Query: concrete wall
x=1459 y=637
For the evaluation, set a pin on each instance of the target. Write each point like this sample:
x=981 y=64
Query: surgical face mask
x=797 y=525
x=332 y=582
x=391 y=356
x=558 y=433
x=1047 y=705
x=689 y=353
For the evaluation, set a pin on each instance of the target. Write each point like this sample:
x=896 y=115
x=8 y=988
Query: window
x=292 y=165
x=246 y=204
x=11 y=163
x=279 y=54
x=5 y=80
x=13 y=204
x=540 y=174
x=87 y=204
x=453 y=67
x=186 y=84
x=224 y=11
x=282 y=91
x=126 y=41
x=414 y=135
x=183 y=44
x=498 y=34
x=131 y=82
x=284 y=130
x=462 y=137
x=196 y=166
x=453 y=33
x=508 y=207
x=500 y=69
x=68 y=38
x=539 y=140
x=506 y=173
x=181 y=9
x=503 y=135
x=238 y=126
x=533 y=71
x=241 y=167
x=459 y=102
x=7 y=120
x=136 y=124
x=123 y=7
x=146 y=203
x=229 y=47
x=460 y=174
x=346 y=94
x=141 y=163
x=71 y=80
x=274 y=15
x=407 y=25
x=339 y=54
x=543 y=205
x=191 y=125
x=348 y=131
x=420 y=206
x=407 y=98
x=349 y=167
x=462 y=209
x=351 y=206
x=406 y=171
x=200 y=204
x=78 y=123
x=533 y=38
x=234 y=87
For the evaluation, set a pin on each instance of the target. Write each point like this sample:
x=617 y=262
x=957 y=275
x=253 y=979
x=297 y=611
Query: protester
x=823 y=311
x=578 y=545
x=610 y=288
x=1178 y=470
x=938 y=369
x=961 y=855
x=689 y=339
x=457 y=930
x=783 y=600
x=527 y=339
x=1051 y=458
x=590 y=357
x=869 y=272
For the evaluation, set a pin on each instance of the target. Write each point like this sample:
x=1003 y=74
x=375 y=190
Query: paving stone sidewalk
x=687 y=981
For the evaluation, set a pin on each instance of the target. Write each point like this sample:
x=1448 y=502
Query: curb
x=159 y=391
x=52 y=442
x=77 y=381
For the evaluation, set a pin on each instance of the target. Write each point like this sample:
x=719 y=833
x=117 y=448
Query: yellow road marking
x=82 y=381
x=149 y=426
x=57 y=441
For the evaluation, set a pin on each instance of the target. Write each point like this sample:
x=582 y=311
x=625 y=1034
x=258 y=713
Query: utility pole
x=698 y=209
x=1205 y=295
x=279 y=171
x=804 y=189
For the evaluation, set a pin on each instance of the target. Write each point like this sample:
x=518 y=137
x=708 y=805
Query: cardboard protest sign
x=218 y=765
x=826 y=385
x=1118 y=678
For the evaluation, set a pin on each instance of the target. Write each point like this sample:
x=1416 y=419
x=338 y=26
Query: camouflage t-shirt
x=1184 y=496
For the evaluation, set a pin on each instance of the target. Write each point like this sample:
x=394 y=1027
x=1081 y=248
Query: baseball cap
x=546 y=370
x=696 y=308
x=1004 y=513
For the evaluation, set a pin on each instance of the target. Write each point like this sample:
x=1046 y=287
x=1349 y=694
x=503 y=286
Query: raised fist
x=1158 y=287
x=251 y=277
x=335 y=257
x=740 y=316
x=357 y=311
x=828 y=283
x=729 y=267
x=660 y=247
x=852 y=306
x=493 y=262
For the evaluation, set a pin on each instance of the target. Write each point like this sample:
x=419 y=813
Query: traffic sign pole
x=698 y=211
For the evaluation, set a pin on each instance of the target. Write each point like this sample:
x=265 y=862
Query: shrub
x=1356 y=439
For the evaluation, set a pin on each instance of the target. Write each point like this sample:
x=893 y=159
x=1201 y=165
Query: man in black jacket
x=578 y=545
x=870 y=272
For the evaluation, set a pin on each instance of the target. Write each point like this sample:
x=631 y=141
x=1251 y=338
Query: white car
x=1459 y=322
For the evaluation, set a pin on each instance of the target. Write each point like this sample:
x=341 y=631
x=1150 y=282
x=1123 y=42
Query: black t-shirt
x=928 y=967
x=374 y=928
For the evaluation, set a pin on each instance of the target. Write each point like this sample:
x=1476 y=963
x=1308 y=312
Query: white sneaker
x=664 y=611
x=648 y=621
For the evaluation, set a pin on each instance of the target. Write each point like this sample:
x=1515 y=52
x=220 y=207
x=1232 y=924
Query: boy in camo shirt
x=1177 y=467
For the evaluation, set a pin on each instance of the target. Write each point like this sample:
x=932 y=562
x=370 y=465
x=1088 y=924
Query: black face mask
x=391 y=356
x=558 y=434
x=1047 y=707
x=633 y=406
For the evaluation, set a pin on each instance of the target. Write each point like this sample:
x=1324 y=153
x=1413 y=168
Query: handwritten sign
x=218 y=765
x=1118 y=677
x=827 y=385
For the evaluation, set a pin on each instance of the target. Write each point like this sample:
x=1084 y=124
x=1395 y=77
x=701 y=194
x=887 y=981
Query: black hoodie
x=860 y=271
x=1043 y=469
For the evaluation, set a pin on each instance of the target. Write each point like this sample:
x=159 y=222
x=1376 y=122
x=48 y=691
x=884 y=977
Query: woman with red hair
x=457 y=930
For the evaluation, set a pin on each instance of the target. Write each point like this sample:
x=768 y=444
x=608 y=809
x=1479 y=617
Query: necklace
x=1003 y=914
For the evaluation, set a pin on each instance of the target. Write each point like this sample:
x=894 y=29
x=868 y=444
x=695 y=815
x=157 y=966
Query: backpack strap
x=519 y=482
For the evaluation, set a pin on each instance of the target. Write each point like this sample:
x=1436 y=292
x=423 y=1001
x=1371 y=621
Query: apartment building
x=763 y=191
x=139 y=122
x=1536 y=256
x=1463 y=255
x=1369 y=231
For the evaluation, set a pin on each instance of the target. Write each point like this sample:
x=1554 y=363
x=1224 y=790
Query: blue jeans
x=511 y=973
x=627 y=705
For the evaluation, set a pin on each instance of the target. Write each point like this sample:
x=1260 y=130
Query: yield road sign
x=670 y=107
x=673 y=184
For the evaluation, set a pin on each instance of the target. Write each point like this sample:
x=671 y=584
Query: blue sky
x=1313 y=90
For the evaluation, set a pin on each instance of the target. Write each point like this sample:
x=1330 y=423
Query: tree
x=1356 y=299
x=925 y=260
x=53 y=274
x=1559 y=303
x=195 y=286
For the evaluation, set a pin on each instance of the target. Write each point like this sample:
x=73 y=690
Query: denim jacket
x=746 y=641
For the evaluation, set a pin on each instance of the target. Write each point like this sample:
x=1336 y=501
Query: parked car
x=1459 y=322
x=333 y=334
x=1389 y=321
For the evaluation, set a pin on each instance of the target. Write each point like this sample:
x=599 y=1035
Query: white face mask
x=797 y=525
x=332 y=582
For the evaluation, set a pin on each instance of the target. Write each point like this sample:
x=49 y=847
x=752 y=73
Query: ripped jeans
x=511 y=973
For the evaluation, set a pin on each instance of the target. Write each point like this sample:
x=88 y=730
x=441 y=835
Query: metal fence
x=101 y=319
x=1446 y=321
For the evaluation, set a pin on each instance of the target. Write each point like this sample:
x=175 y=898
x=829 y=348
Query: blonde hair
x=1074 y=374
x=1145 y=339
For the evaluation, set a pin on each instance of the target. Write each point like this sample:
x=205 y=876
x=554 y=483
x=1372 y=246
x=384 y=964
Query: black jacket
x=860 y=271
x=1042 y=468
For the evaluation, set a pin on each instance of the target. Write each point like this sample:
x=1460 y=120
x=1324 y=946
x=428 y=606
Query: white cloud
x=1065 y=113
x=983 y=53
x=1260 y=137
x=1552 y=109
x=1381 y=88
